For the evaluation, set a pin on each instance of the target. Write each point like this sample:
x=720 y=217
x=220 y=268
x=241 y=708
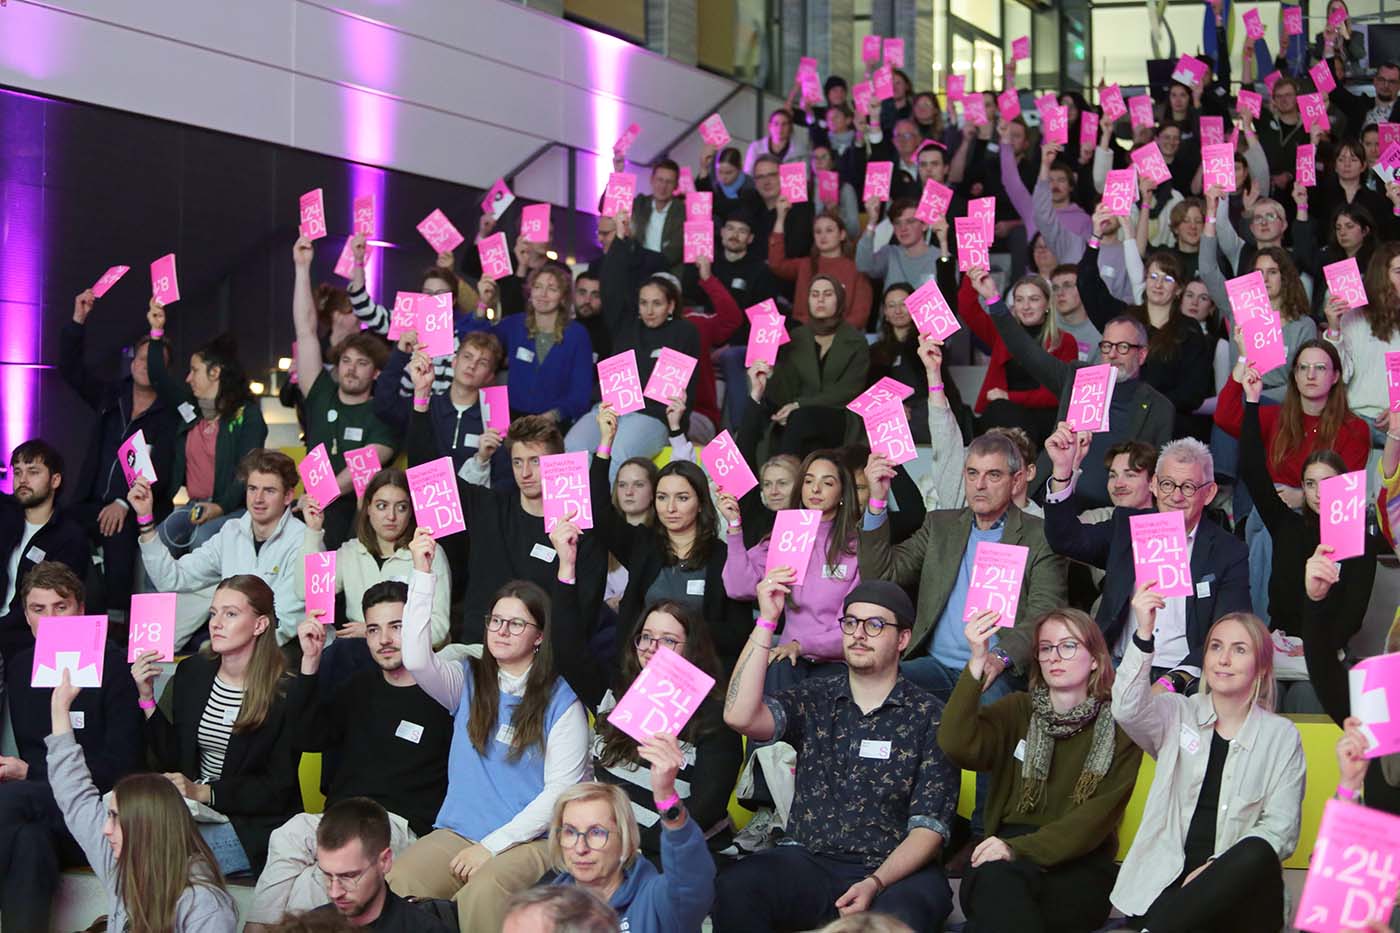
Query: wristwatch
x=1006 y=662
x=670 y=808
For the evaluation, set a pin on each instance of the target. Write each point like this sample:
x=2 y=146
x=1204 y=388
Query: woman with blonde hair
x=1061 y=776
x=1226 y=799
x=549 y=356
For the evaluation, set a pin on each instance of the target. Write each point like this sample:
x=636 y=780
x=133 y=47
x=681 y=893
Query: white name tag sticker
x=471 y=440
x=656 y=353
x=543 y=552
x=186 y=411
x=506 y=734
x=695 y=587
x=354 y=434
x=1020 y=753
x=409 y=731
x=36 y=554
x=837 y=572
x=230 y=716
x=75 y=718
x=1203 y=590
x=870 y=748
x=1190 y=740
x=525 y=354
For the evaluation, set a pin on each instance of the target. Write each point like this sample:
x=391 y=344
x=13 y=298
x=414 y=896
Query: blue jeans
x=730 y=363
x=638 y=435
x=1261 y=562
x=181 y=535
x=228 y=851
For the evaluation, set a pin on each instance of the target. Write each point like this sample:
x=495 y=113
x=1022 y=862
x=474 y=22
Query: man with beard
x=1362 y=110
x=392 y=740
x=339 y=411
x=588 y=311
x=33 y=530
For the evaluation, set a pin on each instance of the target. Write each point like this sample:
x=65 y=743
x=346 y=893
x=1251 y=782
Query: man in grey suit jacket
x=658 y=219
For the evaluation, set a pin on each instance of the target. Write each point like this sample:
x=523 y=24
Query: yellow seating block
x=309 y=774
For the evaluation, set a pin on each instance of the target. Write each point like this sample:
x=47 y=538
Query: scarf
x=1045 y=727
x=208 y=408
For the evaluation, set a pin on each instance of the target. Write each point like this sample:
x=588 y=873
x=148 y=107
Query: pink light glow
x=365 y=180
x=35 y=42
x=607 y=59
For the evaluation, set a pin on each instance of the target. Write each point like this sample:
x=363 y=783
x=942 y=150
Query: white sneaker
x=754 y=837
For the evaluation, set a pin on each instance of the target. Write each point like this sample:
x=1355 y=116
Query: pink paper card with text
x=767 y=332
x=405 y=314
x=664 y=696
x=1342 y=514
x=1212 y=130
x=930 y=311
x=1160 y=552
x=792 y=181
x=1120 y=191
x=1336 y=16
x=363 y=220
x=75 y=644
x=793 y=538
x=436 y=505
x=495 y=408
x=1111 y=100
x=621 y=386
x=1190 y=71
x=727 y=467
x=1387 y=135
x=698 y=240
x=1009 y=104
x=862 y=93
x=870 y=49
x=152 y=625
x=971 y=243
x=363 y=463
x=165 y=284
x=877 y=180
x=564 y=478
x=134 y=457
x=495 y=257
x=619 y=194
x=320 y=585
x=318 y=476
x=686 y=186
x=975 y=108
x=1249 y=298
x=670 y=376
x=1344 y=280
x=1271 y=79
x=434 y=318
x=1249 y=102
x=1353 y=871
x=984 y=211
x=997 y=572
x=1021 y=49
x=313 y=215
x=883 y=82
x=933 y=203
x=534 y=223
x=1088 y=129
x=713 y=131
x=1263 y=340
x=498 y=199
x=1218 y=166
x=887 y=428
x=1149 y=162
x=1392 y=378
x=1056 y=125
x=109 y=278
x=345 y=265
x=1314 y=110
x=1140 y=111
x=439 y=232
x=955 y=87
x=1292 y=21
x=1322 y=77
x=700 y=206
x=894 y=52
x=828 y=187
x=886 y=391
x=1253 y=25
x=1375 y=699
x=1305 y=167
x=1091 y=398
x=628 y=137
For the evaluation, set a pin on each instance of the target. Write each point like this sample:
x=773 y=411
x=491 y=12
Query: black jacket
x=62 y=540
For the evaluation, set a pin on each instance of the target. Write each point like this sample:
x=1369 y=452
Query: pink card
x=345 y=265
x=1322 y=78
x=670 y=376
x=767 y=332
x=495 y=408
x=726 y=466
x=433 y=314
x=664 y=696
x=886 y=391
x=1314 y=110
x=1344 y=281
x=628 y=137
x=1292 y=21
x=1190 y=72
x=984 y=211
x=152 y=626
x=713 y=131
x=870 y=49
x=1212 y=130
x=828 y=187
x=1111 y=100
x=1271 y=79
x=1253 y=25
x=1264 y=347
x=363 y=463
x=1160 y=553
x=1056 y=125
x=1120 y=191
x=793 y=538
x=109 y=278
x=71 y=643
x=495 y=257
x=405 y=314
x=976 y=109
x=971 y=242
x=933 y=203
x=888 y=431
x=1249 y=298
x=498 y=199
x=1088 y=129
x=699 y=240
x=1218 y=166
x=883 y=82
x=564 y=478
x=165 y=285
x=620 y=384
x=1389 y=157
x=436 y=505
x=930 y=312
x=134 y=457
x=1342 y=514
x=1336 y=17
x=1140 y=111
x=1305 y=169
x=313 y=215
x=320 y=585
x=618 y=196
x=877 y=180
x=534 y=223
x=318 y=477
x=1021 y=49
x=1373 y=682
x=1009 y=104
x=1392 y=377
x=687 y=182
x=700 y=206
x=894 y=52
x=997 y=572
x=364 y=214
x=862 y=94
x=439 y=232
x=955 y=87
x=1353 y=873
x=1149 y=162
x=1387 y=135
x=1249 y=102
x=792 y=181
x=1091 y=398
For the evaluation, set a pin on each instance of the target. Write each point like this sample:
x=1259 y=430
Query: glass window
x=983 y=14
x=1016 y=22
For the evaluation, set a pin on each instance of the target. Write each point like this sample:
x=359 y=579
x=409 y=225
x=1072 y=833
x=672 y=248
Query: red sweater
x=859 y=294
x=977 y=321
x=1352 y=443
x=715 y=329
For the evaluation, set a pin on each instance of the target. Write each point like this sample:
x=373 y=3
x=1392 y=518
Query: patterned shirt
x=864 y=780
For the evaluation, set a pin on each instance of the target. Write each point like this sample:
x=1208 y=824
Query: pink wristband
x=151 y=704
x=1165 y=683
x=877 y=504
x=672 y=801
x=994 y=299
x=569 y=582
x=421 y=399
x=937 y=388
x=144 y=520
x=604 y=451
x=157 y=333
x=1346 y=793
x=768 y=624
x=1094 y=242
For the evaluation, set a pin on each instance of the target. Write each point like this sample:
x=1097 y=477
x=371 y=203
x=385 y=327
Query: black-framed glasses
x=596 y=837
x=1189 y=490
x=1066 y=649
x=643 y=641
x=513 y=626
x=1117 y=346
x=349 y=881
x=873 y=626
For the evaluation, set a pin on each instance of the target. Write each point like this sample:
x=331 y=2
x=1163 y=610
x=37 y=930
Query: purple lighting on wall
x=607 y=75
x=367 y=180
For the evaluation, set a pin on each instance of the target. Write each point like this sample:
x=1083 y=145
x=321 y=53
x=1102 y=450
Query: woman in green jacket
x=218 y=422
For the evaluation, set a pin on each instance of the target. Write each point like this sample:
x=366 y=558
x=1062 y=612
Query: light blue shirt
x=949 y=645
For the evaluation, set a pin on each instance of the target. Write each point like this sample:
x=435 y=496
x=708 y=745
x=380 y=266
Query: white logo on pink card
x=1149 y=162
x=670 y=376
x=698 y=240
x=1111 y=100
x=877 y=180
x=534 y=223
x=1253 y=25
x=1021 y=49
x=887 y=428
x=933 y=203
x=1305 y=166
x=313 y=215
x=436 y=505
x=791 y=543
x=1218 y=166
x=1190 y=71
x=1160 y=552
x=564 y=478
x=1292 y=21
x=792 y=181
x=971 y=242
x=700 y=206
x=1212 y=130
x=1249 y=102
x=1140 y=111
x=1314 y=110
x=628 y=137
x=930 y=311
x=1354 y=868
x=619 y=194
x=1249 y=298
x=726 y=466
x=714 y=132
x=69 y=643
x=1009 y=104
x=894 y=53
x=363 y=219
x=109 y=278
x=1120 y=191
x=439 y=232
x=345 y=264
x=152 y=626
x=886 y=391
x=767 y=332
x=664 y=696
x=1091 y=398
x=1342 y=510
x=363 y=463
x=165 y=285
x=318 y=476
x=495 y=257
x=1088 y=129
x=619 y=383
x=997 y=572
x=319 y=573
x=828 y=187
x=1344 y=281
x=870 y=49
x=134 y=457
x=404 y=317
x=434 y=317
x=883 y=82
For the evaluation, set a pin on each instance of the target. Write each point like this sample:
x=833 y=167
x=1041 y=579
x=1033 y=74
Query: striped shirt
x=215 y=728
x=375 y=318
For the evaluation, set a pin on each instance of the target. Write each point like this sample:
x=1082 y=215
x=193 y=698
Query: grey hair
x=1190 y=451
x=988 y=444
x=1132 y=322
x=571 y=909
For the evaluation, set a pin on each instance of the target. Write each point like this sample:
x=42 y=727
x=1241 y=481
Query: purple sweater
x=812 y=608
x=1070 y=219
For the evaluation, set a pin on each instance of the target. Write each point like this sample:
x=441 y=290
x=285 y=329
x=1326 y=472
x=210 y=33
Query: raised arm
x=568 y=630
x=442 y=681
x=744 y=709
x=308 y=356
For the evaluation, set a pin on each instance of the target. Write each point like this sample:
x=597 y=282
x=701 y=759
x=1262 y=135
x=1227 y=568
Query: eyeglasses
x=1310 y=368
x=595 y=836
x=349 y=881
x=514 y=626
x=1267 y=217
x=1117 y=346
x=1160 y=276
x=873 y=626
x=1066 y=649
x=644 y=641
x=1189 y=490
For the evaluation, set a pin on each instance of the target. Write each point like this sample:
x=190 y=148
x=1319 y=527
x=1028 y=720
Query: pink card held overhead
x=1111 y=100
x=933 y=203
x=886 y=391
x=870 y=49
x=436 y=505
x=894 y=52
x=975 y=108
x=1263 y=342
x=620 y=384
x=434 y=318
x=628 y=137
x=1336 y=17
x=828 y=187
x=1253 y=25
x=1190 y=72
x=698 y=240
x=1088 y=129
x=877 y=181
x=404 y=317
x=686 y=185
x=1212 y=130
x=1305 y=167
x=670 y=376
x=997 y=572
x=930 y=311
x=165 y=285
x=439 y=232
x=1344 y=281
x=495 y=257
x=1314 y=110
x=619 y=194
x=318 y=476
x=984 y=211
x=134 y=457
x=888 y=431
x=1292 y=21
x=883 y=82
x=727 y=467
x=767 y=332
x=1160 y=552
x=1120 y=191
x=1056 y=125
x=75 y=644
x=792 y=181
x=1249 y=102
x=862 y=93
x=1322 y=77
x=1271 y=79
x=495 y=408
x=955 y=87
x=363 y=463
x=1091 y=398
x=109 y=278
x=320 y=586
x=1353 y=872
x=345 y=265
x=1021 y=49
x=1140 y=111
x=534 y=223
x=700 y=206
x=1009 y=104
x=1218 y=166
x=1375 y=700
x=664 y=696
x=1249 y=297
x=1342 y=514
x=971 y=242
x=313 y=215
x=564 y=479
x=498 y=199
x=364 y=215
x=791 y=543
x=152 y=626
x=713 y=131
x=1149 y=162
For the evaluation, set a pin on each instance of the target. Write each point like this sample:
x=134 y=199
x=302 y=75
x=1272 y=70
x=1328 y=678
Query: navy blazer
x=62 y=540
x=1219 y=569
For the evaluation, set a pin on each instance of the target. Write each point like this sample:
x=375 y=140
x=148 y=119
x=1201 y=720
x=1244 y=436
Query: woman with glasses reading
x=1061 y=776
x=521 y=739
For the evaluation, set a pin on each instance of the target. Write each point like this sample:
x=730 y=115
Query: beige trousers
x=423 y=871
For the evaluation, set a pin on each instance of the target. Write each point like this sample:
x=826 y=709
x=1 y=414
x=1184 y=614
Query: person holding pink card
x=779 y=142
x=1365 y=335
x=831 y=251
x=658 y=218
x=908 y=256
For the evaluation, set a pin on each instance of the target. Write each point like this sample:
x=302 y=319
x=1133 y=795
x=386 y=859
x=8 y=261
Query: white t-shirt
x=652 y=240
x=30 y=530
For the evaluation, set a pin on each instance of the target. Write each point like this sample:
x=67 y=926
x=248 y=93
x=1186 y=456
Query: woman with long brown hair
x=549 y=356
x=1363 y=336
x=521 y=738
x=227 y=744
x=832 y=253
x=141 y=841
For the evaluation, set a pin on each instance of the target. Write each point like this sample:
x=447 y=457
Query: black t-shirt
x=1200 y=835
x=401 y=916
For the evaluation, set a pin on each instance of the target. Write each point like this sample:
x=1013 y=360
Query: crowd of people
x=459 y=692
